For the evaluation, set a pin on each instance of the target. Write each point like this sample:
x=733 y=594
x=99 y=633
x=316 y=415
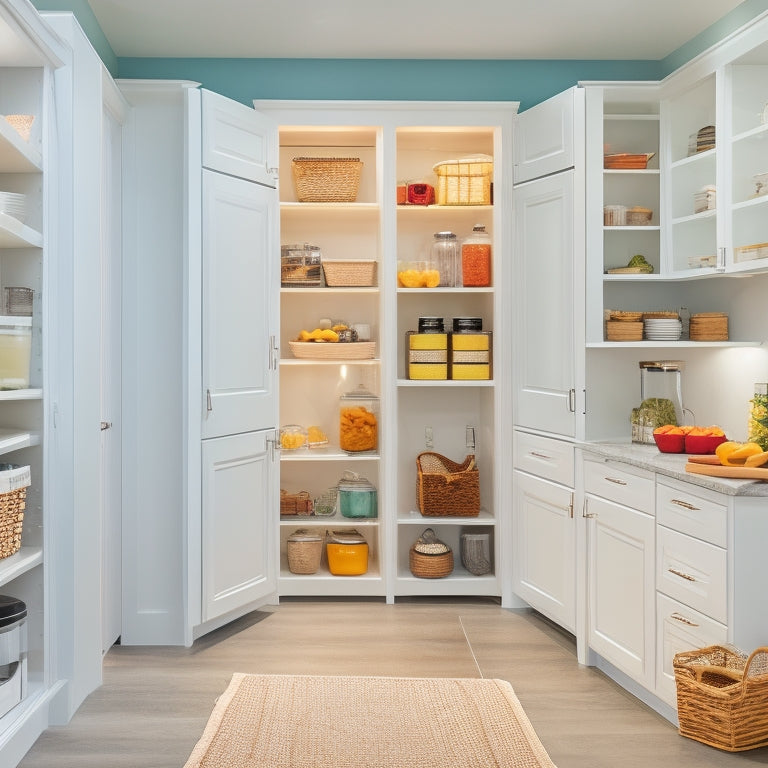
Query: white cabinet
x=200 y=361
x=238 y=558
x=620 y=568
x=396 y=143
x=544 y=530
x=548 y=286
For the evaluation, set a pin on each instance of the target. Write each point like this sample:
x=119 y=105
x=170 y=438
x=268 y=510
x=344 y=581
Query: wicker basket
x=304 y=551
x=722 y=697
x=326 y=179
x=300 y=503
x=14 y=481
x=430 y=558
x=349 y=350
x=464 y=182
x=639 y=216
x=349 y=273
x=445 y=488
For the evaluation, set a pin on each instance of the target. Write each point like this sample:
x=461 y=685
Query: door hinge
x=274 y=353
x=105 y=425
x=570 y=507
x=584 y=512
x=273 y=445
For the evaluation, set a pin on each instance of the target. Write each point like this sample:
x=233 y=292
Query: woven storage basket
x=349 y=273
x=14 y=481
x=304 y=552
x=445 y=488
x=722 y=697
x=430 y=558
x=464 y=182
x=326 y=179
x=334 y=350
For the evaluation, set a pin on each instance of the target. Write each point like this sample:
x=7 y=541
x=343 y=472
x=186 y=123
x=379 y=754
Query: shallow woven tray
x=313 y=350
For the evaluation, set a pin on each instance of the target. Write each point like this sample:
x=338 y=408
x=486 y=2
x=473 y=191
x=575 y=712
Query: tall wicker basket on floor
x=445 y=488
x=722 y=697
x=14 y=481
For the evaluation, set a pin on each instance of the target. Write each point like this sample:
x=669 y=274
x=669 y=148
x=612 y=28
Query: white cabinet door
x=621 y=588
x=238 y=509
x=544 y=305
x=239 y=236
x=544 y=562
x=237 y=140
x=543 y=138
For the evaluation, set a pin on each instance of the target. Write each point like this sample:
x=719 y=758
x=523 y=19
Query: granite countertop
x=673 y=465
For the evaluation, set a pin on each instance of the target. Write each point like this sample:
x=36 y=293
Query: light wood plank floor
x=154 y=702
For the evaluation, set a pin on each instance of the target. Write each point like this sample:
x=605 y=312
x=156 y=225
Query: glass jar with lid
x=476 y=259
x=359 y=421
x=446 y=255
x=661 y=398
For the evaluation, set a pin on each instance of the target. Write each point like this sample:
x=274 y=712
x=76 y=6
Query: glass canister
x=758 y=416
x=359 y=421
x=661 y=398
x=357 y=496
x=476 y=259
x=446 y=255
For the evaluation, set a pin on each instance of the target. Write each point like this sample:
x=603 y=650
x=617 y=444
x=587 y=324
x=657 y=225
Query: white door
x=237 y=140
x=544 y=563
x=111 y=376
x=239 y=316
x=621 y=588
x=544 y=305
x=543 y=138
x=239 y=564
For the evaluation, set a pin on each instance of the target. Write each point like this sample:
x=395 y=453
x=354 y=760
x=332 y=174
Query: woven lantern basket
x=722 y=697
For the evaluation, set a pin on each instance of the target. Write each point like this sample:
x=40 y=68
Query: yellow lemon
x=757 y=459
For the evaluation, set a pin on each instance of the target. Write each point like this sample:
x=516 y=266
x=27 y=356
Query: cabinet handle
x=570 y=507
x=208 y=403
x=684 y=504
x=572 y=400
x=615 y=480
x=538 y=455
x=682 y=575
x=720 y=260
x=678 y=617
x=274 y=353
x=584 y=512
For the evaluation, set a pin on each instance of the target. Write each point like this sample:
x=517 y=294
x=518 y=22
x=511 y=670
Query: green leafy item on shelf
x=638 y=261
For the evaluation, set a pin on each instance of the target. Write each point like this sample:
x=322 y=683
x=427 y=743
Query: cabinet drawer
x=692 y=571
x=691 y=513
x=544 y=457
x=631 y=487
x=680 y=628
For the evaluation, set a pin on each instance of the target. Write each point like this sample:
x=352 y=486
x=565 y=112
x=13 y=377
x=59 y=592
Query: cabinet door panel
x=239 y=290
x=238 y=503
x=621 y=596
x=544 y=368
x=544 y=555
x=237 y=140
x=544 y=138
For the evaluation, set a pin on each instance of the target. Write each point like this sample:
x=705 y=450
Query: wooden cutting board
x=710 y=465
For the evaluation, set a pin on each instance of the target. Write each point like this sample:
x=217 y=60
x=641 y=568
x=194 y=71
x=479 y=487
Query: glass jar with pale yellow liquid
x=15 y=352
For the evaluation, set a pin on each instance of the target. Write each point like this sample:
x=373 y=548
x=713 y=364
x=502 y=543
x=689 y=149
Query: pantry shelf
x=22 y=561
x=16 y=155
x=670 y=344
x=414 y=517
x=326 y=453
x=13 y=440
x=449 y=383
x=14 y=234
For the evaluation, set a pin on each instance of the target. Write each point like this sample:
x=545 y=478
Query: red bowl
x=703 y=444
x=670 y=443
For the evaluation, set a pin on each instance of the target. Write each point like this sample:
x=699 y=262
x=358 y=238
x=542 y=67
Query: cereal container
x=359 y=421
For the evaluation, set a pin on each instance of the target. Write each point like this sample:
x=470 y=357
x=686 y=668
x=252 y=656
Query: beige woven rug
x=300 y=721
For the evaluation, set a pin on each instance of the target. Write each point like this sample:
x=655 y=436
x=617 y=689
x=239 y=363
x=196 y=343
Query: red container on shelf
x=420 y=194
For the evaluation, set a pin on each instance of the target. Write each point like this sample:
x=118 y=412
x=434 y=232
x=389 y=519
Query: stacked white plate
x=13 y=204
x=662 y=329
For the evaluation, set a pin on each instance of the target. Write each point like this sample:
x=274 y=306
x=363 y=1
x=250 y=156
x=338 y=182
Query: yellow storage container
x=347 y=553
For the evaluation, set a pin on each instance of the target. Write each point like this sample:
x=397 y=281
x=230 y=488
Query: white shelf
x=14 y=439
x=345 y=208
x=14 y=234
x=760 y=130
x=433 y=291
x=414 y=517
x=631 y=172
x=670 y=344
x=21 y=394
x=619 y=117
x=628 y=228
x=296 y=361
x=326 y=453
x=457 y=208
x=460 y=582
x=332 y=521
x=24 y=560
x=710 y=213
x=449 y=383
x=692 y=159
x=324 y=289
x=17 y=155
x=752 y=202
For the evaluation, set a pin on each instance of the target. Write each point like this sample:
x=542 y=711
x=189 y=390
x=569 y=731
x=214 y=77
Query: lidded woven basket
x=429 y=557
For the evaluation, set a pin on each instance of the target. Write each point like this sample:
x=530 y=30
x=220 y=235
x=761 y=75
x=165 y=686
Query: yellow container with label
x=426 y=356
x=347 y=553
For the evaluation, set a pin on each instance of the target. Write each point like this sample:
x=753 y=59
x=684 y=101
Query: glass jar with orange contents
x=476 y=258
x=359 y=421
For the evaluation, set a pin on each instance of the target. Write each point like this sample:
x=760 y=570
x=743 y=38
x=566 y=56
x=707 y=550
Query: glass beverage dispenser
x=661 y=398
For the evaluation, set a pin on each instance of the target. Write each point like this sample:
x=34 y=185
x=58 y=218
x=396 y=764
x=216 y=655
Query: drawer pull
x=682 y=575
x=683 y=620
x=684 y=504
x=541 y=455
x=615 y=480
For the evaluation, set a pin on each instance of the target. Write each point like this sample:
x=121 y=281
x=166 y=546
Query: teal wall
x=526 y=81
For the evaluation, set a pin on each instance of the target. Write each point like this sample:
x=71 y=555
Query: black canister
x=431 y=325
x=467 y=324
